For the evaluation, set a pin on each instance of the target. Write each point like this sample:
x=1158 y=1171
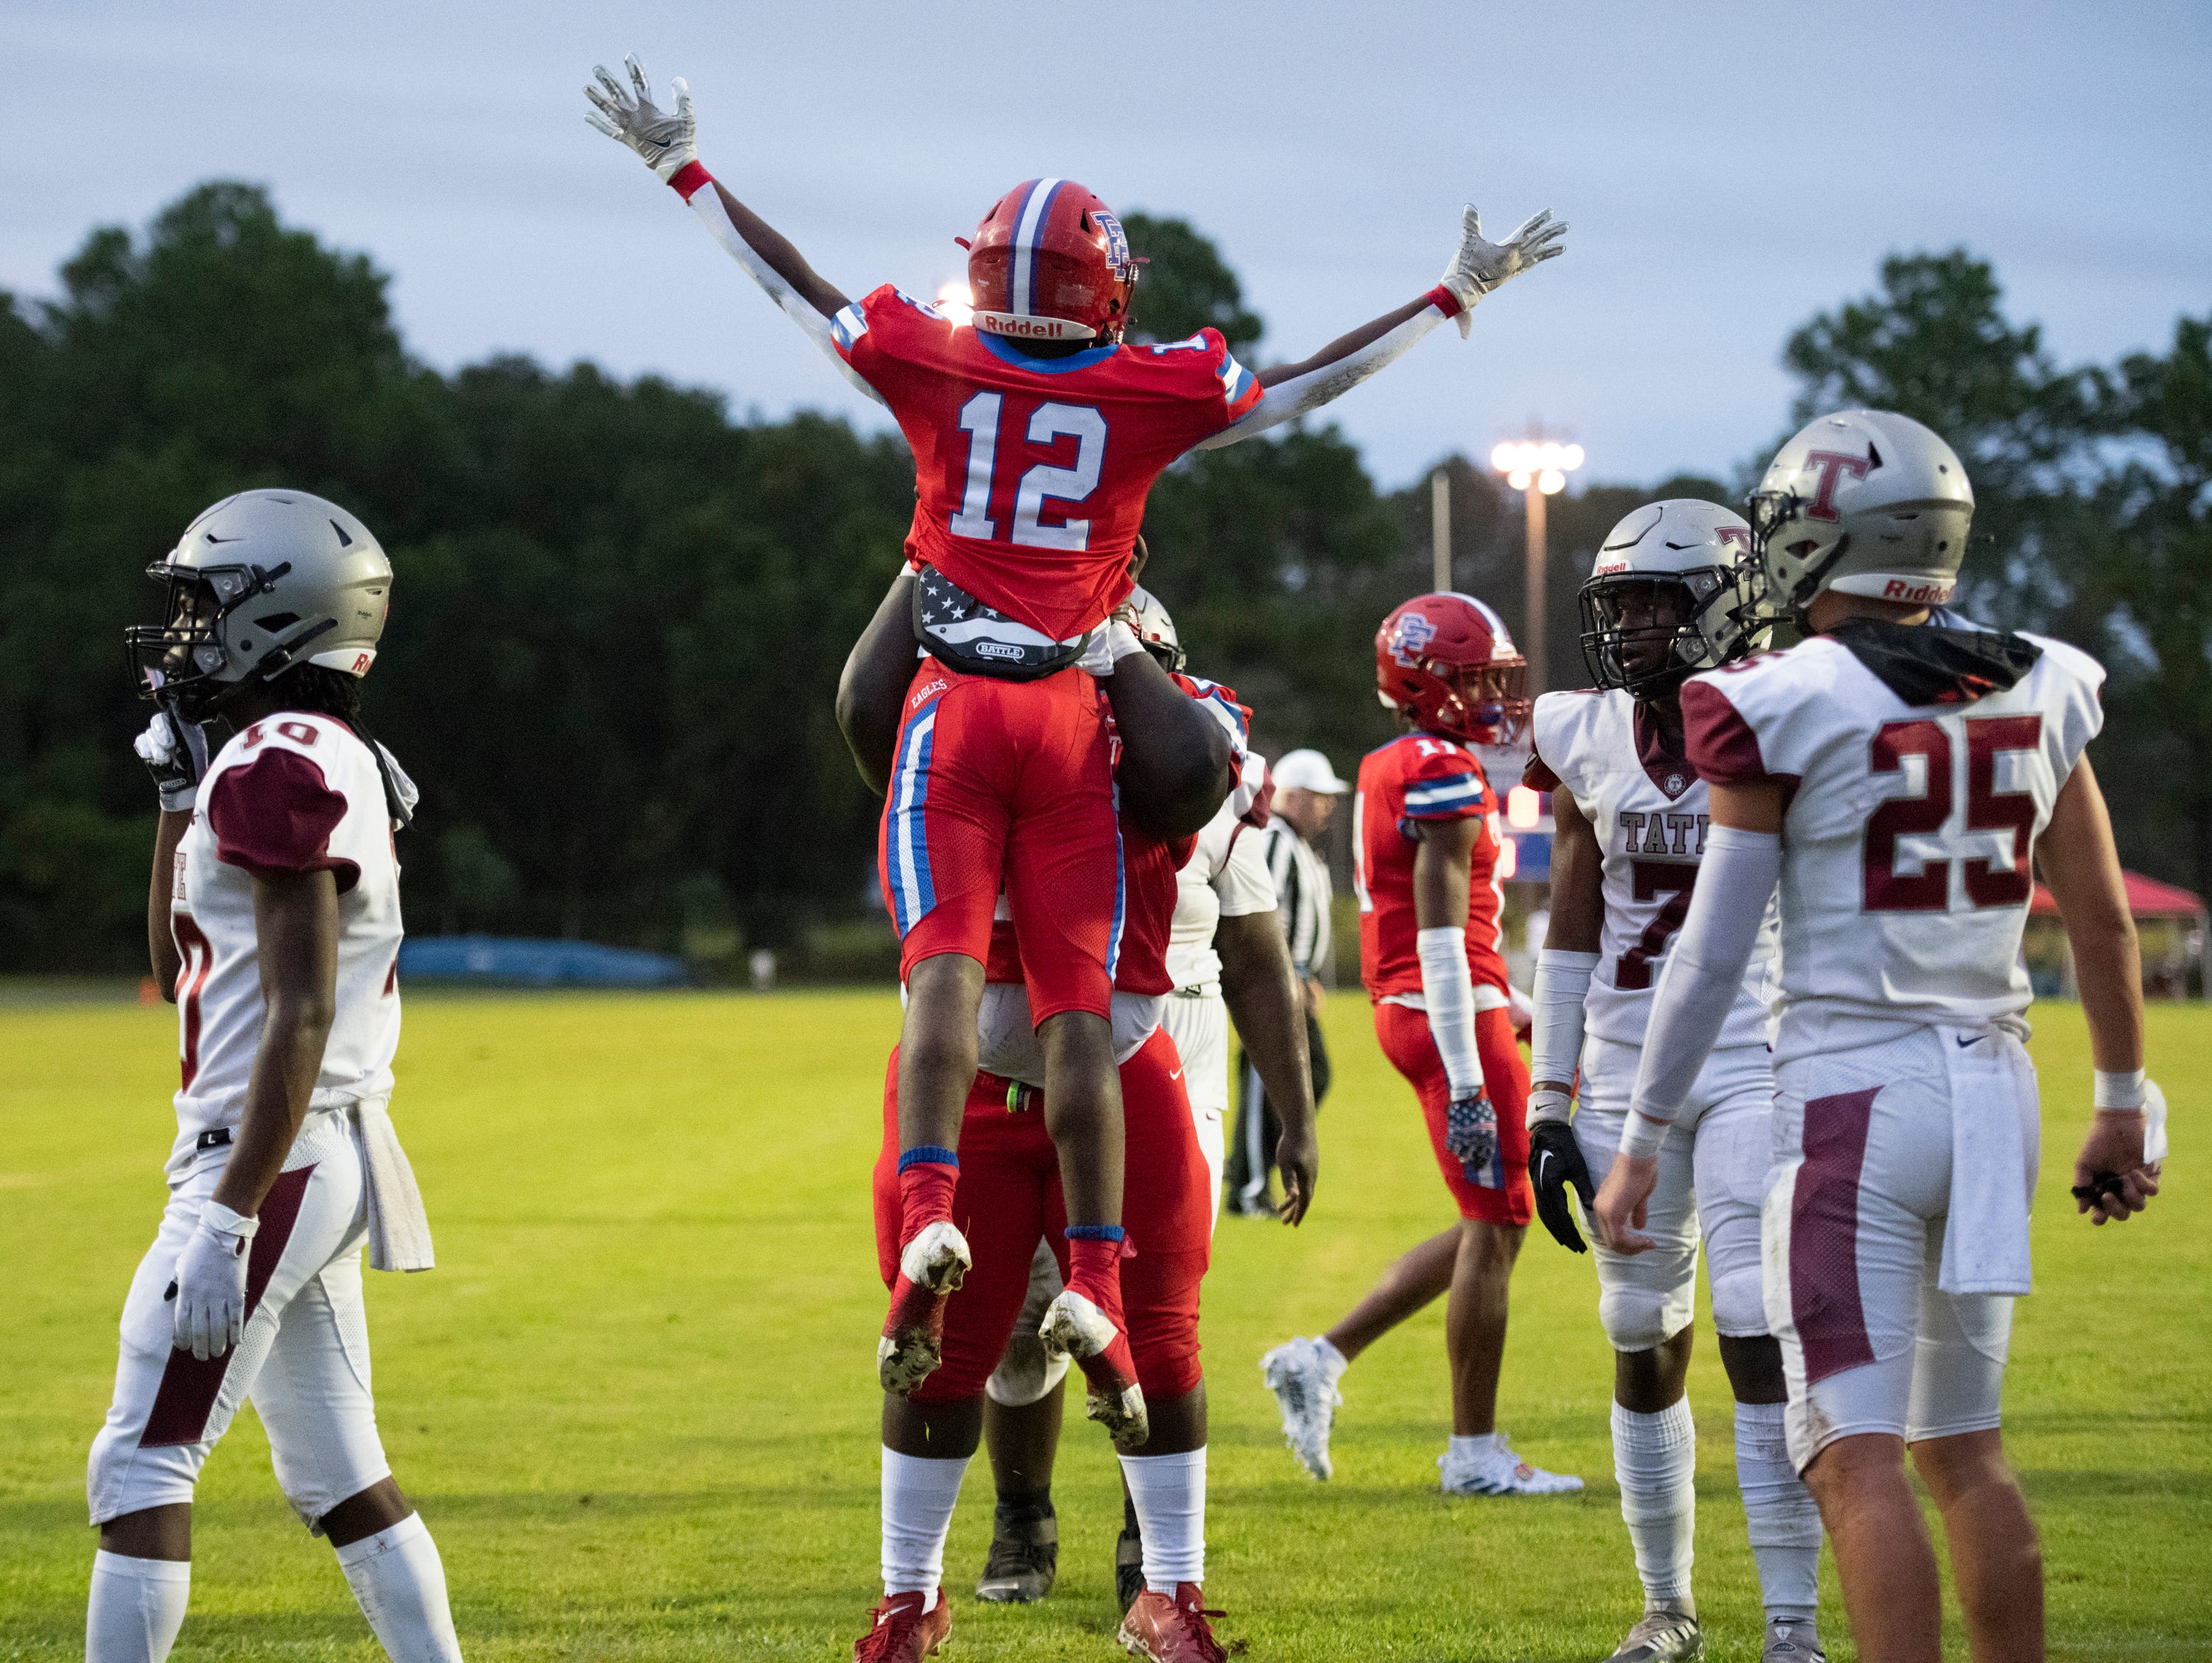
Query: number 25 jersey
x=1031 y=473
x=1919 y=765
x=1646 y=806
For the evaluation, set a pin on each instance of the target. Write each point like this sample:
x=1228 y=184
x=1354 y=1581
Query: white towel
x=399 y=1229
x=1994 y=1146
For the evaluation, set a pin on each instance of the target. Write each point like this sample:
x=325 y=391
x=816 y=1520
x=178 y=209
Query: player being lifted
x=273 y=919
x=1671 y=593
x=1037 y=434
x=1899 y=773
x=1426 y=844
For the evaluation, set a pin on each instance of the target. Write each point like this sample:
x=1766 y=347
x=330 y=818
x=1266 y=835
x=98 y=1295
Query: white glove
x=210 y=1283
x=176 y=755
x=1480 y=266
x=1108 y=646
x=669 y=144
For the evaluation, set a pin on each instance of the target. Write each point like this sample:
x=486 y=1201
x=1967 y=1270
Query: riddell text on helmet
x=1934 y=594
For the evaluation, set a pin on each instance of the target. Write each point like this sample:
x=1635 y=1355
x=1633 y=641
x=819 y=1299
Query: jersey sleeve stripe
x=1454 y=795
x=847 y=327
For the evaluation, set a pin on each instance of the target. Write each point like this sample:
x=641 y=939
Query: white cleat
x=1298 y=1373
x=1792 y=1640
x=1497 y=1470
x=1664 y=1635
x=931 y=1270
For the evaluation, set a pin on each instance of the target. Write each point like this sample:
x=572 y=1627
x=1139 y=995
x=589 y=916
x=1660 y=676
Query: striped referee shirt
x=1303 y=892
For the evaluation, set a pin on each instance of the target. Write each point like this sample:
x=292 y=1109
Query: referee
x=1306 y=789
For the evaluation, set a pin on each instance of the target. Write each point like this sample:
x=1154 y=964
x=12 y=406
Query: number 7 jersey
x=1031 y=473
x=1646 y=806
x=1918 y=764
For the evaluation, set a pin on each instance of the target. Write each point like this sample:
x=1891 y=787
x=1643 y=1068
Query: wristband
x=689 y=178
x=1445 y=302
x=1641 y=1136
x=1549 y=1106
x=223 y=1221
x=2120 y=1091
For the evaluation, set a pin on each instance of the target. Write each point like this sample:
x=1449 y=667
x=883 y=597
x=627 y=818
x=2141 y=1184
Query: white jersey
x=1647 y=807
x=1226 y=876
x=296 y=792
x=1911 y=825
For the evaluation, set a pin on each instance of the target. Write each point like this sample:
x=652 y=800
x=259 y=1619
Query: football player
x=1225 y=954
x=1899 y=773
x=273 y=921
x=1008 y=1196
x=1671 y=594
x=1037 y=434
x=1426 y=846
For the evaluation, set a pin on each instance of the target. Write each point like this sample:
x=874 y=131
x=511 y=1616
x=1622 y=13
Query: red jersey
x=1417 y=777
x=1031 y=473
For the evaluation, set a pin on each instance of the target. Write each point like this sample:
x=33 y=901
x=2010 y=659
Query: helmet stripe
x=1029 y=224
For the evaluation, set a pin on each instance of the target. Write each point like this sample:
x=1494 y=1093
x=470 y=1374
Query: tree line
x=619 y=612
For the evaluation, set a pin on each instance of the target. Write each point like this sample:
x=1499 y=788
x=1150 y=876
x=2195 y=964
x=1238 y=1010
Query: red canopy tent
x=2147 y=898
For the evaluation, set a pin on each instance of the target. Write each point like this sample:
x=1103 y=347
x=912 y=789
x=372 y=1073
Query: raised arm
x=1477 y=267
x=669 y=144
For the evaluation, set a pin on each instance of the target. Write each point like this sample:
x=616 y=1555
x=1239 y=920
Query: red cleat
x=932 y=1265
x=903 y=1632
x=1076 y=1328
x=1171 y=1630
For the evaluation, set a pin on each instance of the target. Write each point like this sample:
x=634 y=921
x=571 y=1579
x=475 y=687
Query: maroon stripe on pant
x=1824 y=1236
x=190 y=1386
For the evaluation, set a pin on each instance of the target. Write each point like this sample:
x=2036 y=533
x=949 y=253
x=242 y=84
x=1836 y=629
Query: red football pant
x=1497 y=1193
x=1009 y=1195
x=1007 y=785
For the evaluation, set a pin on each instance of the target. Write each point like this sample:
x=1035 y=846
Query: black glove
x=1555 y=1160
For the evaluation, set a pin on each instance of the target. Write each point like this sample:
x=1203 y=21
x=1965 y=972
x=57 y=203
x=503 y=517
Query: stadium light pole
x=1440 y=527
x=1537 y=468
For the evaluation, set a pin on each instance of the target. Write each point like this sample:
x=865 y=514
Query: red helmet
x=1049 y=263
x=1447 y=658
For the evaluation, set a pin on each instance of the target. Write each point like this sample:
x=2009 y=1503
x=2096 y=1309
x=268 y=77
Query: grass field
x=637 y=1405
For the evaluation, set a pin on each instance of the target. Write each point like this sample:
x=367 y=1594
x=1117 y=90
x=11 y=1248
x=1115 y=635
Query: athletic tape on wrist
x=1640 y=1136
x=2120 y=1091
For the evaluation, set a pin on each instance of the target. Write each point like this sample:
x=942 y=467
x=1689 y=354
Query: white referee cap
x=1308 y=770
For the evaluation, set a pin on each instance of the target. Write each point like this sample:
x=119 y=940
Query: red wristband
x=1444 y=301
x=688 y=178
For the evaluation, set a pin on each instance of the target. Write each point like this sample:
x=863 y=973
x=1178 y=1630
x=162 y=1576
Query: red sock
x=927 y=1178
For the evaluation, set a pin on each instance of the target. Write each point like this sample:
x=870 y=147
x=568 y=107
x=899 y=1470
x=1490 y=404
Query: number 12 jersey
x=1031 y=473
x=1647 y=808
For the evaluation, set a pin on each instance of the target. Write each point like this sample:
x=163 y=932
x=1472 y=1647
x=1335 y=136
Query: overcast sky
x=1729 y=169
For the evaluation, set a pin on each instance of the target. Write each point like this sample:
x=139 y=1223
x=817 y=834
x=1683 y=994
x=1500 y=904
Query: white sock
x=1655 y=1457
x=1472 y=1446
x=1168 y=1492
x=919 y=1492
x=136 y=1607
x=400 y=1582
x=1784 y=1521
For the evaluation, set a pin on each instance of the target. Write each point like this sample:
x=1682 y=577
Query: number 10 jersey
x=1909 y=835
x=1647 y=807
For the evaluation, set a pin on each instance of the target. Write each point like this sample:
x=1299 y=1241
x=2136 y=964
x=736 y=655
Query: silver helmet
x=1863 y=502
x=1674 y=591
x=259 y=583
x=1154 y=628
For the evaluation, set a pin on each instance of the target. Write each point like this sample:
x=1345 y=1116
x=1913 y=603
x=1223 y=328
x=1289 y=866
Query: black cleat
x=1025 y=1556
